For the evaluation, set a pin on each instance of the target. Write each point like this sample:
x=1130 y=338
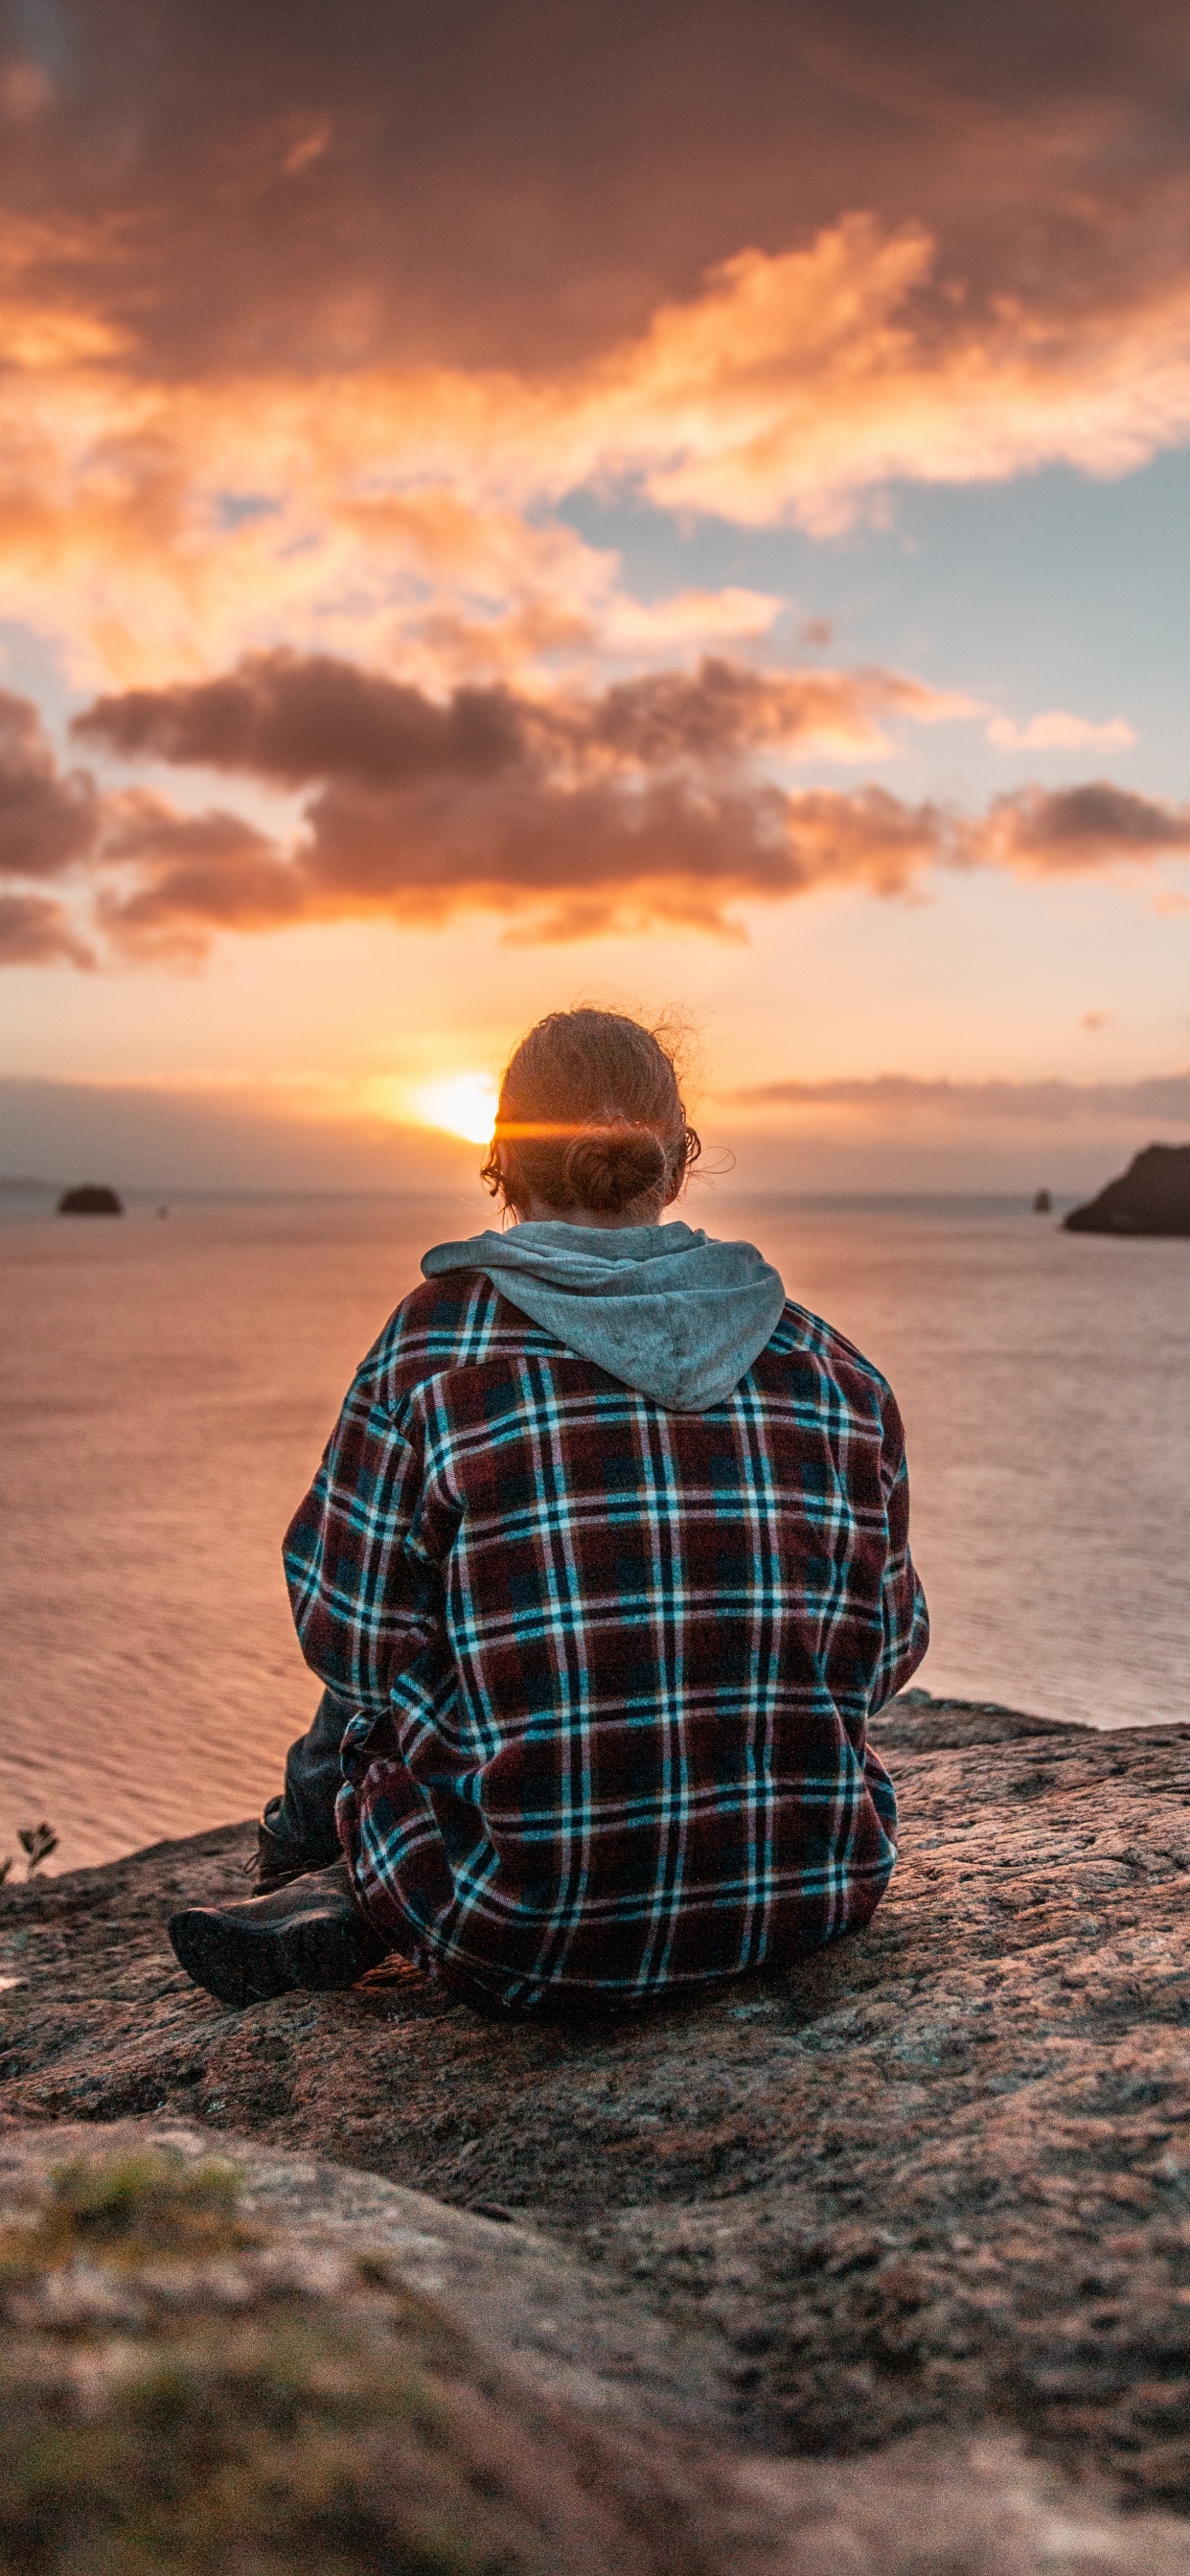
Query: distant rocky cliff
x=882 y=2262
x=1151 y=1197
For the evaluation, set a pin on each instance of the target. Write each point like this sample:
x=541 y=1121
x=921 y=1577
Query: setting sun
x=464 y=1105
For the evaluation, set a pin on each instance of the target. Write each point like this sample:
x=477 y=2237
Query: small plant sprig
x=37 y=1842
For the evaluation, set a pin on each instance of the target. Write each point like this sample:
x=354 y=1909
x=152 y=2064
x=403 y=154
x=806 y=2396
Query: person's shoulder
x=440 y=1323
x=455 y=1321
x=805 y=1338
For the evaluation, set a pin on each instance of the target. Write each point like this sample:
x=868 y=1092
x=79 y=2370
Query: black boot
x=278 y=1858
x=310 y=1933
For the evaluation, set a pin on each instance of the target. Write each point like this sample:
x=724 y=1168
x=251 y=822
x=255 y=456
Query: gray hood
x=666 y=1310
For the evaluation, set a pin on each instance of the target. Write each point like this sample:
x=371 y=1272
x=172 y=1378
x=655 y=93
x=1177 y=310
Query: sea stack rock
x=91 y=1200
x=1151 y=1197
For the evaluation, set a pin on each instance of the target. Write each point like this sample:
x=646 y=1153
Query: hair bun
x=611 y=1166
x=590 y=1117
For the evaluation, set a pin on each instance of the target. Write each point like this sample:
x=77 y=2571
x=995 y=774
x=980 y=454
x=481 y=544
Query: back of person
x=604 y=1571
x=608 y=1562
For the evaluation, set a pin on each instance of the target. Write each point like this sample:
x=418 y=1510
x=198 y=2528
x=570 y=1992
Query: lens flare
x=464 y=1105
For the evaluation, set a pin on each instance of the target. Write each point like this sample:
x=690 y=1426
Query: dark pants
x=305 y=1811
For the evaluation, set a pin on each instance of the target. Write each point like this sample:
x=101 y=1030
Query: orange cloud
x=389 y=506
x=797 y=383
x=641 y=802
x=47 y=817
x=168 y=882
x=312 y=324
x=309 y=324
x=290 y=718
x=525 y=190
x=34 y=932
x=652 y=800
x=564 y=859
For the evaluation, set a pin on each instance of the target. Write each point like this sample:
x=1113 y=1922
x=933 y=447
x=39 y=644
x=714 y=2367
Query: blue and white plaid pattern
x=612 y=1666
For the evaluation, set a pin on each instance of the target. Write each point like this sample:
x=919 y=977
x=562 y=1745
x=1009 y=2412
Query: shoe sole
x=242 y=1963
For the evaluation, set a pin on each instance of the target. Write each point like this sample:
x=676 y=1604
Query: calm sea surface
x=167 y=1387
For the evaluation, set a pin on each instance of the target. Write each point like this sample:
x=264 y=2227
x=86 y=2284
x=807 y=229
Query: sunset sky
x=685 y=506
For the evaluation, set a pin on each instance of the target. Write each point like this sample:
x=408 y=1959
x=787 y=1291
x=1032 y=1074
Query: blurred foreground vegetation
x=181 y=2392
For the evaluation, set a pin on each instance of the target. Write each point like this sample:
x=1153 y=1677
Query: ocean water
x=166 y=1387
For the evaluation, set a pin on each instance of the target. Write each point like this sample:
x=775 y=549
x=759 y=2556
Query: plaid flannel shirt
x=611 y=1666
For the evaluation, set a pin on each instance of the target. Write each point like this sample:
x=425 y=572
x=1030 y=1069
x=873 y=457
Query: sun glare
x=464 y=1104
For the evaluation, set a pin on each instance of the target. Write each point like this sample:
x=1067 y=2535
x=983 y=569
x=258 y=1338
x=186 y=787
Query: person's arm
x=905 y=1620
x=363 y=1591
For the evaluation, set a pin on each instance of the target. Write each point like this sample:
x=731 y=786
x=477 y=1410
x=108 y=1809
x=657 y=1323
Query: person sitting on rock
x=604 y=1570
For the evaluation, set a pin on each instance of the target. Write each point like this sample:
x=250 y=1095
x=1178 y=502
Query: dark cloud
x=645 y=802
x=1055 y=829
x=35 y=932
x=171 y=881
x=47 y=816
x=637 y=802
x=290 y=185
x=291 y=718
x=895 y=1097
x=726 y=708
x=579 y=859
x=284 y=288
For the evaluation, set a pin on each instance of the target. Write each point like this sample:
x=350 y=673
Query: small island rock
x=1151 y=1197
x=90 y=1200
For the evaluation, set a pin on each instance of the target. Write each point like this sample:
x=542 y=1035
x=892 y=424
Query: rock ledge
x=913 y=2218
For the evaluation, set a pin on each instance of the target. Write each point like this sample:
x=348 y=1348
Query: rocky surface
x=1151 y=1197
x=248 y=2365
x=917 y=2210
x=260 y=2362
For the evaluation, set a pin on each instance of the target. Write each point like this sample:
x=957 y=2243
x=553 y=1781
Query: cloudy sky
x=687 y=506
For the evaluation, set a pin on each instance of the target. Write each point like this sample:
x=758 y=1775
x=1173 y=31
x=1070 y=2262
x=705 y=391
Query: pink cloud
x=36 y=932
x=1058 y=731
x=651 y=800
x=1054 y=831
x=48 y=817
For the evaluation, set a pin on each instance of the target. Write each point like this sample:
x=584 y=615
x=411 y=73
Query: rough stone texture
x=921 y=2196
x=193 y=2378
